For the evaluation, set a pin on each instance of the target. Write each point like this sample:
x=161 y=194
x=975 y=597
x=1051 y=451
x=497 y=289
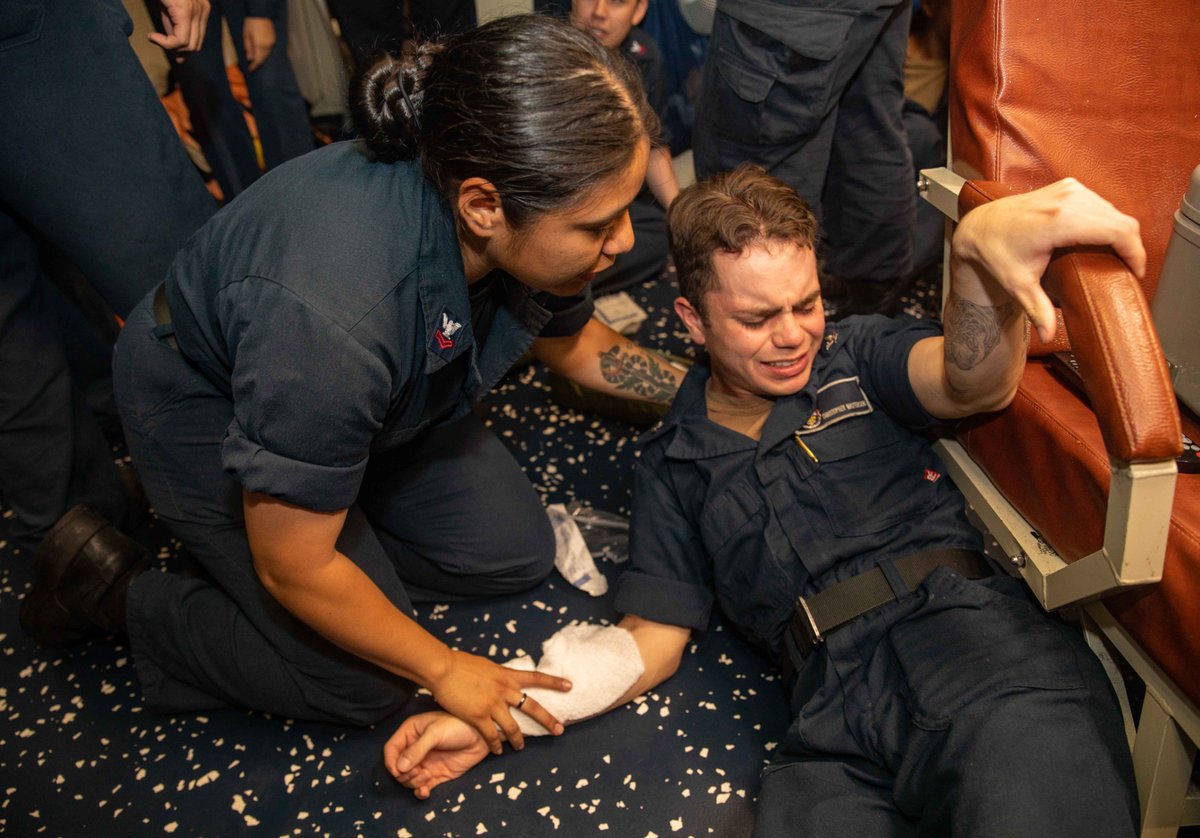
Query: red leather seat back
x=1107 y=92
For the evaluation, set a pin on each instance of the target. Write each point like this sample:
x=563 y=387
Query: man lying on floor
x=792 y=483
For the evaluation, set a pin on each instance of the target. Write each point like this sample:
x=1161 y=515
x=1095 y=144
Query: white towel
x=601 y=662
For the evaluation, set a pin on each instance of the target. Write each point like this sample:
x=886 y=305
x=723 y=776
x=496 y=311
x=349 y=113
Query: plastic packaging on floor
x=606 y=533
x=581 y=532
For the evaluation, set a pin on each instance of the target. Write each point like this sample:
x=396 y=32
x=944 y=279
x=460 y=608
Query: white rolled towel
x=601 y=662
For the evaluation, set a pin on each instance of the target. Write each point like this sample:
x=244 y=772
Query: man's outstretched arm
x=998 y=255
x=430 y=748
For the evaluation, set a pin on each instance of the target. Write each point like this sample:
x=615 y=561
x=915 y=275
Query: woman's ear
x=480 y=209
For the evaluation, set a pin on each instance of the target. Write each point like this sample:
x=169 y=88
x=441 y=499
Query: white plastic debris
x=571 y=555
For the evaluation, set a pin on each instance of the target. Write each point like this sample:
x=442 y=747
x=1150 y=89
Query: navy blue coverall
x=329 y=353
x=812 y=91
x=89 y=163
x=959 y=709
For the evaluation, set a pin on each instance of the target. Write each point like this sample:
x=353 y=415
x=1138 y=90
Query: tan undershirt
x=925 y=79
x=745 y=414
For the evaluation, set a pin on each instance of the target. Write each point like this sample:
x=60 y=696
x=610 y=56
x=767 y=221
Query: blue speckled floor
x=80 y=756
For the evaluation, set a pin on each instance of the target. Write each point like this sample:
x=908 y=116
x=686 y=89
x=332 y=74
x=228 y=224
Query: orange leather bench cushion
x=1046 y=455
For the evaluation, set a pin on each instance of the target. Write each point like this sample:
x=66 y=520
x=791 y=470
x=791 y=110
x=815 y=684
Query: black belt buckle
x=805 y=633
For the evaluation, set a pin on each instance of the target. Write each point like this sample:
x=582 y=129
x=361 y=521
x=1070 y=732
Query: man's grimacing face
x=764 y=319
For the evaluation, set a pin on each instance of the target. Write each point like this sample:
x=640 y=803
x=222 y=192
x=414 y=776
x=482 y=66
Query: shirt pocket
x=868 y=475
x=750 y=582
x=430 y=400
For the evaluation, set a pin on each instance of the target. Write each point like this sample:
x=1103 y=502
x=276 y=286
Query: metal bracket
x=940 y=187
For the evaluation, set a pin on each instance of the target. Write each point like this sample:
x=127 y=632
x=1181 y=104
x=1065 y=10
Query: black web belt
x=162 y=313
x=816 y=616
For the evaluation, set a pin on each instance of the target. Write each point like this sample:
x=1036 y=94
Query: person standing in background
x=926 y=70
x=258 y=29
x=812 y=91
x=90 y=166
x=615 y=24
x=373 y=27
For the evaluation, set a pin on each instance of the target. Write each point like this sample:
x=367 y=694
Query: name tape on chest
x=836 y=401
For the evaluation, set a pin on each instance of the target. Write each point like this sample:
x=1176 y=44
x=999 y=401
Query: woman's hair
x=730 y=212
x=538 y=108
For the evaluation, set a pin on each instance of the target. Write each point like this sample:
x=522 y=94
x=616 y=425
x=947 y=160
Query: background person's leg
x=927 y=143
x=280 y=112
x=458 y=516
x=218 y=119
x=438 y=18
x=89 y=157
x=775 y=94
x=869 y=198
x=52 y=452
x=370 y=27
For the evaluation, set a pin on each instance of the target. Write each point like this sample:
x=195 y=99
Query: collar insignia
x=442 y=343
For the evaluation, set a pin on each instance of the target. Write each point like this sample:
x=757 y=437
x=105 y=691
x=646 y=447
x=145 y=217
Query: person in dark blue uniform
x=614 y=23
x=91 y=166
x=791 y=485
x=259 y=32
x=813 y=91
x=297 y=393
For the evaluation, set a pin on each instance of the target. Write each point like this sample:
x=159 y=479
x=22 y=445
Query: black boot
x=82 y=573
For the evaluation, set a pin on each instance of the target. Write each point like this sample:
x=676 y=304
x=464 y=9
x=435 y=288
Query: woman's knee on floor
x=361 y=697
x=524 y=556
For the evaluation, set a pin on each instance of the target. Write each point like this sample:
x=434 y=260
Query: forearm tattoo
x=973 y=331
x=639 y=372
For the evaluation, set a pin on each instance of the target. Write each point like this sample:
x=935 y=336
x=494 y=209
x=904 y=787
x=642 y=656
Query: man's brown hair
x=731 y=211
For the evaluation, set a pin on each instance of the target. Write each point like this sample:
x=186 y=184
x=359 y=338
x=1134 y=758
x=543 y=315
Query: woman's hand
x=482 y=693
x=430 y=748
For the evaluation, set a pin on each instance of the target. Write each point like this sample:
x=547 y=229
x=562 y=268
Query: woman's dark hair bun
x=385 y=102
x=539 y=109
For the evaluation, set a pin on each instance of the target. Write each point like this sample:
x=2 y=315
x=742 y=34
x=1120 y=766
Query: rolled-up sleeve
x=307 y=401
x=669 y=579
x=882 y=347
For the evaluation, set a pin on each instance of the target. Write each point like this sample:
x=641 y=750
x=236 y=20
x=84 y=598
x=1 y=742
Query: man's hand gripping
x=1011 y=240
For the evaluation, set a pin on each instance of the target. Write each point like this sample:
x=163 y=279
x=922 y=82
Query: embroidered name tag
x=836 y=401
x=445 y=335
